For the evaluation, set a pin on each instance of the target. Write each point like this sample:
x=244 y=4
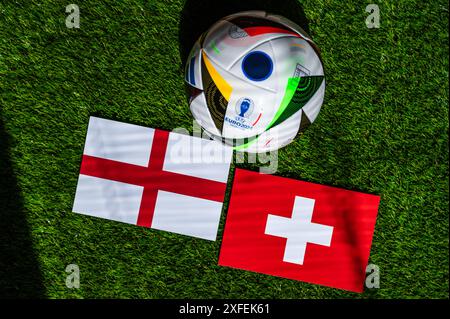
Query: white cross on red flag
x=152 y=178
x=299 y=230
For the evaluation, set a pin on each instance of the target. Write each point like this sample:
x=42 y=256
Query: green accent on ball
x=298 y=92
x=290 y=91
x=245 y=145
x=214 y=47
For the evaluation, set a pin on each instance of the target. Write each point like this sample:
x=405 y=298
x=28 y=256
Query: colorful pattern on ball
x=265 y=60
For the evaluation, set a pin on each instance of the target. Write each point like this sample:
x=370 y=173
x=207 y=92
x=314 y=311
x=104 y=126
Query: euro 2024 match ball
x=256 y=81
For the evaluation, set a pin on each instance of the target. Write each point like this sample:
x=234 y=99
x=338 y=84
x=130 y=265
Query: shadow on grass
x=20 y=275
x=198 y=15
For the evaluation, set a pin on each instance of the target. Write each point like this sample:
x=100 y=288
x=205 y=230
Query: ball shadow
x=198 y=15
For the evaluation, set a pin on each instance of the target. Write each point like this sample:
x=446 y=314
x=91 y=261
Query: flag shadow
x=198 y=15
x=20 y=274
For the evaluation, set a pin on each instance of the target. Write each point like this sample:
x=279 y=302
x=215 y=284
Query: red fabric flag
x=299 y=230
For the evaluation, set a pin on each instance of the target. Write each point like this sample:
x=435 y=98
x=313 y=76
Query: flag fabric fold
x=152 y=178
x=299 y=230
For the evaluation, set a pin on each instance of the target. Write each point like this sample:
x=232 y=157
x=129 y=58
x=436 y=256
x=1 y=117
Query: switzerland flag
x=299 y=230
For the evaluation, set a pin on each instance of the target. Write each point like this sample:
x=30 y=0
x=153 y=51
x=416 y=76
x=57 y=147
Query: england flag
x=152 y=178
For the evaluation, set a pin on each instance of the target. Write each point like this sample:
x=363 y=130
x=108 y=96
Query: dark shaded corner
x=20 y=275
x=198 y=15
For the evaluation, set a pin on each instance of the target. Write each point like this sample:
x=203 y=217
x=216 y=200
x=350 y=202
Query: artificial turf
x=383 y=129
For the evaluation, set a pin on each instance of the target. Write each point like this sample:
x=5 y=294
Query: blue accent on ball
x=192 y=71
x=257 y=66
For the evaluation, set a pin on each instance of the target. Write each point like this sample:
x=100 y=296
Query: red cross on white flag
x=152 y=178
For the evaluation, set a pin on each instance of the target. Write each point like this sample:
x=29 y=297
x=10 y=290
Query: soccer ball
x=256 y=81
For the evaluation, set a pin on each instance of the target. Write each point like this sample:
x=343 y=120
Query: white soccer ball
x=256 y=81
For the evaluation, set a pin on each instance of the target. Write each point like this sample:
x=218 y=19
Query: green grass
x=383 y=129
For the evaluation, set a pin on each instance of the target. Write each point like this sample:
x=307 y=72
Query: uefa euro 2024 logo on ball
x=244 y=107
